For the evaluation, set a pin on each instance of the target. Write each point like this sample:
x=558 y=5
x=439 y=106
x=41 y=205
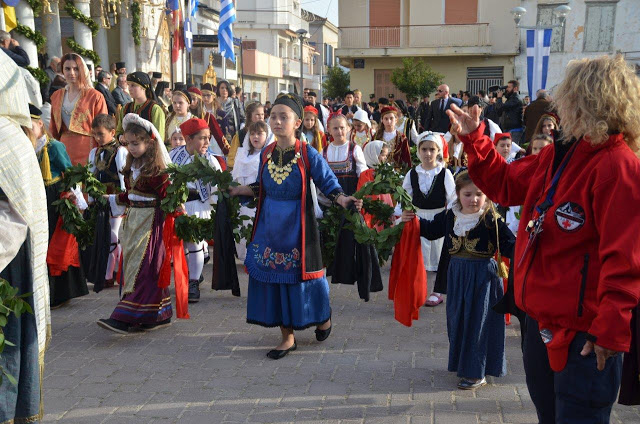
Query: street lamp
x=560 y=12
x=302 y=34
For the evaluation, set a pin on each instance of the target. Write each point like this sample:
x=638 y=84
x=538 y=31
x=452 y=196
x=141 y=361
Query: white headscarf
x=431 y=136
x=372 y=151
x=85 y=70
x=132 y=118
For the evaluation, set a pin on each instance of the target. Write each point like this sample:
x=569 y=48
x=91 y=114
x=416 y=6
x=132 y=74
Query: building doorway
x=383 y=86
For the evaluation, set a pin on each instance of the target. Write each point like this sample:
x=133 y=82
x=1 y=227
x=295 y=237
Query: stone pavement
x=212 y=369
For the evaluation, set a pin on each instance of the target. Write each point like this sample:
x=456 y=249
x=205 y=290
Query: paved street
x=213 y=369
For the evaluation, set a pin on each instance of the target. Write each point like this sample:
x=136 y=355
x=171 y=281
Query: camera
x=494 y=89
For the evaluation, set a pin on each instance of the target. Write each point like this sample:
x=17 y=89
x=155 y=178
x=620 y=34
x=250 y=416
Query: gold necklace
x=280 y=172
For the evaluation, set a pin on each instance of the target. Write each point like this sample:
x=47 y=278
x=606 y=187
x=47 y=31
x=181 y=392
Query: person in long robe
x=23 y=249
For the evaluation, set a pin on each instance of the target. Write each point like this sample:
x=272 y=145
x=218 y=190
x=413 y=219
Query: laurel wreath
x=77 y=48
x=386 y=181
x=73 y=220
x=191 y=228
x=135 y=22
x=38 y=39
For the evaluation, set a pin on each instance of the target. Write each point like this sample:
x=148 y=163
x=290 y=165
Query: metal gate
x=483 y=78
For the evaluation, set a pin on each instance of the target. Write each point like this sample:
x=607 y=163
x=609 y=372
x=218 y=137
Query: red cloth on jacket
x=584 y=274
x=365 y=177
x=408 y=279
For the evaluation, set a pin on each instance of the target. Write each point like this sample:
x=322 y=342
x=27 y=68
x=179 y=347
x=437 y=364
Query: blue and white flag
x=225 y=30
x=188 y=35
x=193 y=5
x=538 y=49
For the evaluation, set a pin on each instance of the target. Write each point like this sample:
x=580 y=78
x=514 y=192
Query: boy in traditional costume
x=197 y=135
x=144 y=103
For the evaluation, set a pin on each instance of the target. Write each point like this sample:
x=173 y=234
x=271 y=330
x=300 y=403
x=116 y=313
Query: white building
x=269 y=26
x=592 y=28
x=324 y=37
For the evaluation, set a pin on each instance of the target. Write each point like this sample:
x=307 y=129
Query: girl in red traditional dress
x=397 y=141
x=143 y=305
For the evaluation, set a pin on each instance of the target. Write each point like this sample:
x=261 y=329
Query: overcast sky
x=324 y=8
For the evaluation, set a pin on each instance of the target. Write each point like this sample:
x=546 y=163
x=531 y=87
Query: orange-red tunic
x=77 y=139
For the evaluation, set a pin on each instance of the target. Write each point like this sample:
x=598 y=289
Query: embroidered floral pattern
x=271 y=259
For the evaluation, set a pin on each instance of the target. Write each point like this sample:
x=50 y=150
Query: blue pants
x=577 y=394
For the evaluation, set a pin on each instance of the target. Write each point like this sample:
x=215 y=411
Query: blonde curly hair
x=599 y=97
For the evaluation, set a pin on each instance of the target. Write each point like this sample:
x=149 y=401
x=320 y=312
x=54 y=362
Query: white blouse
x=340 y=153
x=425 y=180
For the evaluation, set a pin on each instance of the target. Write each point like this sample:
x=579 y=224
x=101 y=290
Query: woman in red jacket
x=577 y=258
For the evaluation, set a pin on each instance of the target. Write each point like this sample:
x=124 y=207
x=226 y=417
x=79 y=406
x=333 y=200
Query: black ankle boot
x=194 y=291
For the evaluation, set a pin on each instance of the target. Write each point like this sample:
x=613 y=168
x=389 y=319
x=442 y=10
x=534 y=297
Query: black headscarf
x=293 y=101
x=143 y=80
x=160 y=88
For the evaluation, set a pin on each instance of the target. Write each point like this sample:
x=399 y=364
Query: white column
x=127 y=46
x=51 y=29
x=82 y=33
x=101 y=43
x=24 y=16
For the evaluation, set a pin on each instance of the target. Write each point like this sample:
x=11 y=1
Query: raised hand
x=464 y=123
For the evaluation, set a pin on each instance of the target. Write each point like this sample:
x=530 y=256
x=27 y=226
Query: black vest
x=437 y=196
x=106 y=168
x=144 y=112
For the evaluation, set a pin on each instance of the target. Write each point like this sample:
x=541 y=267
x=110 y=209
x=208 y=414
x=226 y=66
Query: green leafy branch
x=39 y=74
x=77 y=15
x=77 y=48
x=387 y=181
x=73 y=220
x=190 y=228
x=135 y=22
x=39 y=39
x=10 y=302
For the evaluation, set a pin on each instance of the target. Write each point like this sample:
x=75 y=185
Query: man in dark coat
x=509 y=107
x=104 y=79
x=422 y=114
x=534 y=112
x=437 y=119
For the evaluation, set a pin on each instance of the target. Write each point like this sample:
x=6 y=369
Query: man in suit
x=437 y=119
x=104 y=79
x=533 y=113
x=119 y=94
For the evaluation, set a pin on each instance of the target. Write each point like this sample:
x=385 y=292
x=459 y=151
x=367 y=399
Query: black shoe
x=194 y=291
x=279 y=354
x=322 y=335
x=114 y=325
x=156 y=325
x=207 y=259
x=201 y=279
x=465 y=384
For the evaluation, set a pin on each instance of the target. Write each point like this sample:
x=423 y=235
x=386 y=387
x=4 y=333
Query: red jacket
x=584 y=273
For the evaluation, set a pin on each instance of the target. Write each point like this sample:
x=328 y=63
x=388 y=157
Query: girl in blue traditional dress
x=287 y=285
x=472 y=231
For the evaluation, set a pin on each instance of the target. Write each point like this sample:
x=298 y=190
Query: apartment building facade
x=473 y=43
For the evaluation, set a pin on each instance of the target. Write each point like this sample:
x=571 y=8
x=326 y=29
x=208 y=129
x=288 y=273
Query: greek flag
x=188 y=35
x=193 y=6
x=538 y=49
x=225 y=31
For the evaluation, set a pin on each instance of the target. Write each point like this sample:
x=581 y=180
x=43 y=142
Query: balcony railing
x=415 y=36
